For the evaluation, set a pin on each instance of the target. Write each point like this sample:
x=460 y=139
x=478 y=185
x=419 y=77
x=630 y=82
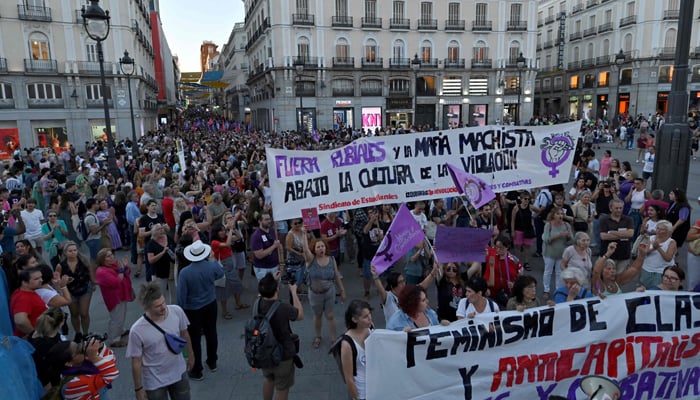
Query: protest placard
x=648 y=343
x=403 y=168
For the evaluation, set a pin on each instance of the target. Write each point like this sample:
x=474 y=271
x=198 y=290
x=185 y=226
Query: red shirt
x=503 y=275
x=221 y=252
x=167 y=204
x=24 y=301
x=329 y=229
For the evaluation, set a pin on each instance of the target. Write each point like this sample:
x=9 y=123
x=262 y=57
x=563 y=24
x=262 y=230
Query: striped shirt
x=87 y=387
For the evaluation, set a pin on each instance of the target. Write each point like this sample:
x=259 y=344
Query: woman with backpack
x=358 y=320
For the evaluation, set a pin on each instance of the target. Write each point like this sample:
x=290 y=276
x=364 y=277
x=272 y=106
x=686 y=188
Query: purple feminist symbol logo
x=386 y=248
x=473 y=190
x=555 y=151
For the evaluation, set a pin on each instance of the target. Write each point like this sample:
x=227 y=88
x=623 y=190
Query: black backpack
x=335 y=351
x=262 y=350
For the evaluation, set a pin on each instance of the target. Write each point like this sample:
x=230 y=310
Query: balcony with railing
x=346 y=91
x=608 y=26
x=667 y=53
x=3 y=64
x=428 y=62
x=548 y=44
x=399 y=62
x=455 y=24
x=588 y=62
x=309 y=62
x=549 y=19
x=454 y=62
x=482 y=63
x=303 y=19
x=672 y=14
x=574 y=65
x=7 y=103
x=400 y=23
x=590 y=32
x=512 y=62
x=93 y=67
x=427 y=24
x=575 y=36
x=631 y=20
x=40 y=65
x=344 y=62
x=481 y=25
x=97 y=103
x=45 y=103
x=398 y=92
x=540 y=22
x=341 y=21
x=371 y=22
x=372 y=62
x=516 y=26
x=306 y=89
x=512 y=91
x=34 y=13
x=370 y=91
x=602 y=60
x=578 y=7
x=591 y=3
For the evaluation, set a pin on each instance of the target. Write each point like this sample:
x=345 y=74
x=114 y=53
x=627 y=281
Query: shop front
x=371 y=120
x=602 y=106
x=478 y=114
x=9 y=142
x=55 y=138
x=425 y=114
x=399 y=113
x=662 y=102
x=588 y=111
x=623 y=103
x=307 y=116
x=573 y=107
x=98 y=131
x=343 y=115
x=451 y=113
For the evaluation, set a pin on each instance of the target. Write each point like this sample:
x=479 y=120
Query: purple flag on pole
x=460 y=244
x=403 y=234
x=477 y=191
x=314 y=136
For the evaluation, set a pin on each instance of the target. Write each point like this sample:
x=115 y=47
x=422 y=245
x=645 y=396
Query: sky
x=188 y=23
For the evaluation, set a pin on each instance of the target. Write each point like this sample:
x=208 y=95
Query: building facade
x=373 y=64
x=234 y=62
x=582 y=73
x=50 y=92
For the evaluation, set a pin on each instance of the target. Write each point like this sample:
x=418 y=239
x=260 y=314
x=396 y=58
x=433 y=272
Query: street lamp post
x=96 y=24
x=128 y=68
x=520 y=62
x=619 y=61
x=299 y=67
x=415 y=66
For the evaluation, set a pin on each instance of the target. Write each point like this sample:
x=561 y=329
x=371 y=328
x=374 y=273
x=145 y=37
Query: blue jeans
x=94 y=247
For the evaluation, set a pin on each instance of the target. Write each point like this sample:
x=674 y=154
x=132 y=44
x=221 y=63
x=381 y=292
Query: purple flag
x=403 y=234
x=461 y=244
x=314 y=136
x=477 y=191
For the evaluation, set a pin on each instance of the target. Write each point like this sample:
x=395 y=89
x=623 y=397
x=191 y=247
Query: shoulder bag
x=175 y=343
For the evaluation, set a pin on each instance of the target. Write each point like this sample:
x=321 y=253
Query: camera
x=90 y=336
x=289 y=277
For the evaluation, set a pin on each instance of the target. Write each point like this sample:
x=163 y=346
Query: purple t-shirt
x=261 y=240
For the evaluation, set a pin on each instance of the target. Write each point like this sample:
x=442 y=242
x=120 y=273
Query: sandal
x=317 y=342
x=242 y=306
x=227 y=316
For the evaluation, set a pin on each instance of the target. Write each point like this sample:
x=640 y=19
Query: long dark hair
x=354 y=310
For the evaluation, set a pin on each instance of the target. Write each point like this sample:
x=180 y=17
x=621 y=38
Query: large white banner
x=399 y=168
x=648 y=343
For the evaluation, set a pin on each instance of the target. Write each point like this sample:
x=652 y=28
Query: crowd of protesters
x=64 y=215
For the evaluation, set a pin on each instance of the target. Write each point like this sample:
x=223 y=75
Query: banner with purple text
x=403 y=168
x=647 y=343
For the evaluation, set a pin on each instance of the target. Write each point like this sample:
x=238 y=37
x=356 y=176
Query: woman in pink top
x=605 y=164
x=114 y=280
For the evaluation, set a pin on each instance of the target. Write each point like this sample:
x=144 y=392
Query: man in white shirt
x=418 y=213
x=33 y=219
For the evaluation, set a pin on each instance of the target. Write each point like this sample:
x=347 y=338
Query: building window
x=481 y=12
x=603 y=79
x=426 y=11
x=5 y=91
x=452 y=86
x=515 y=10
x=91 y=51
x=589 y=81
x=478 y=86
x=370 y=9
x=426 y=52
x=94 y=92
x=480 y=52
x=573 y=82
x=39 y=46
x=513 y=53
x=303 y=51
x=303 y=7
x=399 y=86
x=342 y=50
x=44 y=91
x=453 y=12
x=626 y=77
x=453 y=51
x=371 y=87
x=371 y=50
x=398 y=10
x=666 y=74
x=425 y=86
x=343 y=87
x=341 y=8
x=398 y=51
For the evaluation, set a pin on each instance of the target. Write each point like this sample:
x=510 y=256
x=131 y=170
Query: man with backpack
x=280 y=377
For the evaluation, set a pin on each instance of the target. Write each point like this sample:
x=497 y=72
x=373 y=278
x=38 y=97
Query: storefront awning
x=213 y=79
